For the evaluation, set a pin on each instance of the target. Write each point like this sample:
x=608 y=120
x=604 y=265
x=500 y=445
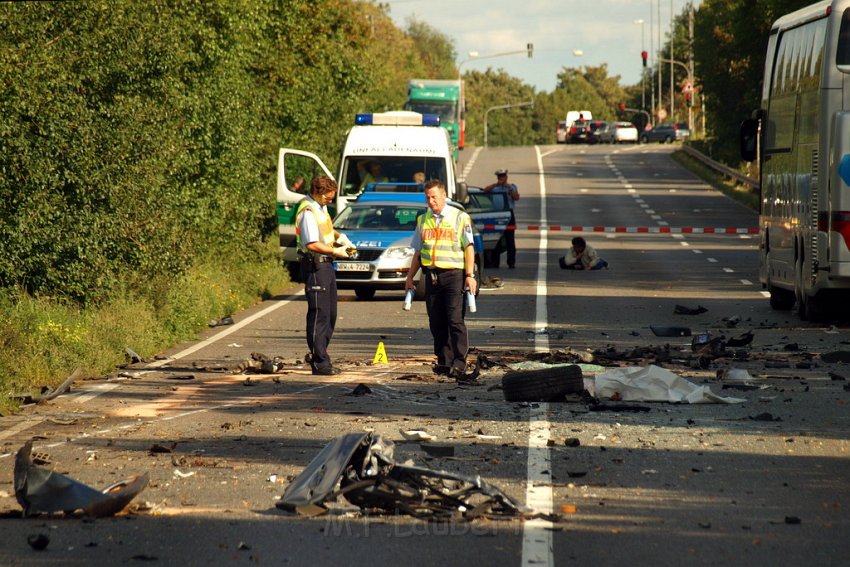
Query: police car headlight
x=399 y=253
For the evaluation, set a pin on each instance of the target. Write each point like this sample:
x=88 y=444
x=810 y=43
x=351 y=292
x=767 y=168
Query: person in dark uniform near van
x=443 y=243
x=316 y=238
x=511 y=195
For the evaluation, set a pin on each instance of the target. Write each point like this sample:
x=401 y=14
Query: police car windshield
x=379 y=217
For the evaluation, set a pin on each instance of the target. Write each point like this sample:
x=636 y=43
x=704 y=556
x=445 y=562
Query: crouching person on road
x=582 y=256
x=444 y=249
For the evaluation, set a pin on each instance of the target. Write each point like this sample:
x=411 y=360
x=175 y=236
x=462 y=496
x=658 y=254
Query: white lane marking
x=677 y=236
x=765 y=293
x=712 y=260
x=696 y=251
x=94 y=391
x=468 y=167
x=665 y=223
x=537 y=534
x=746 y=282
x=729 y=270
x=218 y=336
x=685 y=243
x=17 y=428
x=650 y=212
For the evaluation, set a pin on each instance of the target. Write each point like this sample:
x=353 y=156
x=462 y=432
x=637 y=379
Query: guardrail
x=720 y=168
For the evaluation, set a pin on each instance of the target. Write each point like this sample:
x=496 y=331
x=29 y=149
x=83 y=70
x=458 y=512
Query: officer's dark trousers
x=320 y=287
x=508 y=243
x=444 y=300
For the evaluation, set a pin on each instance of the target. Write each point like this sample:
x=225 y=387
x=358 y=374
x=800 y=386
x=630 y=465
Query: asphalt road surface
x=754 y=483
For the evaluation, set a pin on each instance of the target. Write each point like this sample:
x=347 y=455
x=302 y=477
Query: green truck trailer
x=441 y=97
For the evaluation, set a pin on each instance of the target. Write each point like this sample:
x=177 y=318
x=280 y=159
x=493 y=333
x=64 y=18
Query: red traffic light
x=643 y=56
x=622 y=106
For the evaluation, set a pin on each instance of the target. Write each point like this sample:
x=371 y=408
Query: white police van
x=380 y=149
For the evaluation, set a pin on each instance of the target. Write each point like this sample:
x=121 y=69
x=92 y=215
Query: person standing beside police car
x=319 y=244
x=511 y=196
x=443 y=244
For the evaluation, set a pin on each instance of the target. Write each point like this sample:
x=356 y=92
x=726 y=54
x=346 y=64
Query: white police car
x=381 y=226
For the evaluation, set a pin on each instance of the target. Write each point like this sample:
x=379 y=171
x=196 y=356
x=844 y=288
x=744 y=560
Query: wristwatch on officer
x=470 y=275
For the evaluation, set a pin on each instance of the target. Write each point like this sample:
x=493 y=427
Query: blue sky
x=565 y=33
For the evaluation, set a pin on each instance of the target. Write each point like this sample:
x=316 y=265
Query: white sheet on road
x=654 y=384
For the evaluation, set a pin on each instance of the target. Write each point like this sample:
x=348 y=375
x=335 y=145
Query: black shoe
x=458 y=374
x=562 y=262
x=512 y=267
x=441 y=369
x=330 y=371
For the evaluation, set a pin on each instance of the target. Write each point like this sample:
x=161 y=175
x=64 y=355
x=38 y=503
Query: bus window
x=842 y=55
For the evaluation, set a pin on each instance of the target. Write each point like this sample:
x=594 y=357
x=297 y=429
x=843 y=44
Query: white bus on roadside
x=801 y=139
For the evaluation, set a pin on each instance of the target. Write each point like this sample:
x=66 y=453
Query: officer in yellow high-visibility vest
x=444 y=249
x=316 y=238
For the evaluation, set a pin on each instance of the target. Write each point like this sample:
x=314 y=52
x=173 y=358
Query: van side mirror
x=462 y=196
x=749 y=139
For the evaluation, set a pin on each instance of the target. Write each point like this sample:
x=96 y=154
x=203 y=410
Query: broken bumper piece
x=40 y=490
x=362 y=465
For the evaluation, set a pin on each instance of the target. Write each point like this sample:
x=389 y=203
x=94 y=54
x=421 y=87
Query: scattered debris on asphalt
x=741 y=341
x=40 y=490
x=662 y=331
x=133 y=356
x=416 y=435
x=38 y=542
x=362 y=465
x=228 y=320
x=261 y=364
x=47 y=394
x=836 y=356
x=360 y=390
x=682 y=310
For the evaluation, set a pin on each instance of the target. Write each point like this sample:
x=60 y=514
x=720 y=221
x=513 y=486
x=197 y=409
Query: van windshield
x=357 y=172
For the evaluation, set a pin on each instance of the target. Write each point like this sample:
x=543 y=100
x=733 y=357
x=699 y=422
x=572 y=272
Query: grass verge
x=741 y=193
x=43 y=339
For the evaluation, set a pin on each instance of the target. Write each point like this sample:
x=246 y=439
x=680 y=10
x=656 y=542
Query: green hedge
x=138 y=136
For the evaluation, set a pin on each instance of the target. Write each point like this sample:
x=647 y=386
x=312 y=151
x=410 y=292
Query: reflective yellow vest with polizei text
x=323 y=219
x=443 y=246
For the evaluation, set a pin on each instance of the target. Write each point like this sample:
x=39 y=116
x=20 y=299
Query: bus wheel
x=781 y=299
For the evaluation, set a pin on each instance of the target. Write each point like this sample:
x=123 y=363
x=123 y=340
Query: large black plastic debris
x=41 y=490
x=360 y=468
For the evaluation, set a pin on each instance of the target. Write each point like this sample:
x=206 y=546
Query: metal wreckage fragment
x=362 y=465
x=41 y=490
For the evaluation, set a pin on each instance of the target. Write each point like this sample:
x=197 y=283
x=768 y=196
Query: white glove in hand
x=345 y=241
x=340 y=253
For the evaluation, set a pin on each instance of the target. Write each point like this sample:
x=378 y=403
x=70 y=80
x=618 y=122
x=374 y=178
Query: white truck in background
x=574 y=115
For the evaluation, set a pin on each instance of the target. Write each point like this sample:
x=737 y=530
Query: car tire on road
x=545 y=385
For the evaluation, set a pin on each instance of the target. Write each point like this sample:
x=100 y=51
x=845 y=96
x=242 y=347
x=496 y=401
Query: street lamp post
x=501 y=106
x=643 y=62
x=690 y=80
x=473 y=56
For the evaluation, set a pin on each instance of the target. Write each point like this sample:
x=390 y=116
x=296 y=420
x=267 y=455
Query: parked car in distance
x=561 y=132
x=666 y=133
x=596 y=128
x=619 y=133
x=579 y=131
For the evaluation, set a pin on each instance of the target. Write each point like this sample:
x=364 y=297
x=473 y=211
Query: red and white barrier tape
x=631 y=229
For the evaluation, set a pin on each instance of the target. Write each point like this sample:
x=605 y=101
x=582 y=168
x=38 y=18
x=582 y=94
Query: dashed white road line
x=537 y=534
